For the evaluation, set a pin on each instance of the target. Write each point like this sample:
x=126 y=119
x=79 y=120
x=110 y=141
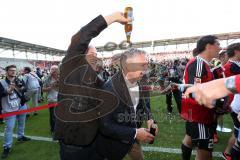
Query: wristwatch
x=230 y=84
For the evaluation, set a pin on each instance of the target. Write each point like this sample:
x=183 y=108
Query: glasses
x=12 y=70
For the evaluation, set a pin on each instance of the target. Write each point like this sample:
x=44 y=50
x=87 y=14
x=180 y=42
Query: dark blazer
x=81 y=101
x=118 y=129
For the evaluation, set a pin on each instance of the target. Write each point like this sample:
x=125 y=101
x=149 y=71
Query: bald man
x=50 y=86
x=81 y=102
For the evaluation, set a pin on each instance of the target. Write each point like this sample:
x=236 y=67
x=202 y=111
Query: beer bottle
x=128 y=13
x=152 y=131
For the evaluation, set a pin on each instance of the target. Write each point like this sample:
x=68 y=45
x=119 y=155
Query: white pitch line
x=147 y=149
x=173 y=150
x=46 y=139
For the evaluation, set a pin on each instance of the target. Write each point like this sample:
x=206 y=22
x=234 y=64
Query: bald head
x=54 y=69
x=91 y=57
x=91 y=50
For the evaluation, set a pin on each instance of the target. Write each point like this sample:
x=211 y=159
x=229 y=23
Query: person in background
x=221 y=107
x=174 y=76
x=31 y=81
x=223 y=57
x=40 y=91
x=50 y=86
x=232 y=67
x=11 y=100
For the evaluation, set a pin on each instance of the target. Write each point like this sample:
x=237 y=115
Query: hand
x=143 y=135
x=117 y=17
x=206 y=93
x=181 y=87
x=11 y=88
x=150 y=123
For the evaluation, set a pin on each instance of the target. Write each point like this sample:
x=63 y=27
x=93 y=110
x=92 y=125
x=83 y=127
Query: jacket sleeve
x=3 y=92
x=110 y=126
x=147 y=111
x=81 y=40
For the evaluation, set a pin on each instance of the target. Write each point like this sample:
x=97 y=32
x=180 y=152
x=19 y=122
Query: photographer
x=12 y=100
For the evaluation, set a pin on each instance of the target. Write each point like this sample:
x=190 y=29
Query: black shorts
x=236 y=123
x=201 y=134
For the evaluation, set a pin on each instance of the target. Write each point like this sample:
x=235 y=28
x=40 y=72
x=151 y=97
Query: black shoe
x=35 y=114
x=23 y=139
x=5 y=153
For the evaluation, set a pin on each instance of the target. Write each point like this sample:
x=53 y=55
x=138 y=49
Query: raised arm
x=81 y=40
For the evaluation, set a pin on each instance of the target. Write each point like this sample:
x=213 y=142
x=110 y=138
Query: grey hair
x=130 y=53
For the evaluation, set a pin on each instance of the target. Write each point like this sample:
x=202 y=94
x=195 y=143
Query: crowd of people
x=101 y=109
x=19 y=86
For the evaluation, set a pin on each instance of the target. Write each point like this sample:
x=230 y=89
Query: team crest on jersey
x=197 y=80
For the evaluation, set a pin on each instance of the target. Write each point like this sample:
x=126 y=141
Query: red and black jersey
x=218 y=72
x=197 y=71
x=232 y=68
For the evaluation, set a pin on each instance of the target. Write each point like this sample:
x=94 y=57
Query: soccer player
x=199 y=119
x=232 y=67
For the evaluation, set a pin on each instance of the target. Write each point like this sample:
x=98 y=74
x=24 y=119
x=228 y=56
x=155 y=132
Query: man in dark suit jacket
x=81 y=101
x=120 y=131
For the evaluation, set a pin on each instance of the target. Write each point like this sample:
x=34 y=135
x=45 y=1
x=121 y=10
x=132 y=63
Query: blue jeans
x=9 y=127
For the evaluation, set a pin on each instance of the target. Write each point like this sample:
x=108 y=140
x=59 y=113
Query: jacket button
x=99 y=113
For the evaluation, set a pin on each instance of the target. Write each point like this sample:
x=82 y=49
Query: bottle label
x=128 y=33
x=130 y=15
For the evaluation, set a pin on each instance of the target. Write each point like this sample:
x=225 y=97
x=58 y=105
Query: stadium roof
x=10 y=44
x=176 y=41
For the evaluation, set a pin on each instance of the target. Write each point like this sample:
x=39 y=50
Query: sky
x=52 y=22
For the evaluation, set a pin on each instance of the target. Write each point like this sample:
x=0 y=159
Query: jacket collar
x=120 y=87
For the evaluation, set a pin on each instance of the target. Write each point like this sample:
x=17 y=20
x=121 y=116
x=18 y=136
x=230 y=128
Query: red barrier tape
x=4 y=115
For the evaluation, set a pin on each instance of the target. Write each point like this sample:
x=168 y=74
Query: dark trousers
x=147 y=102
x=51 y=118
x=71 y=152
x=178 y=98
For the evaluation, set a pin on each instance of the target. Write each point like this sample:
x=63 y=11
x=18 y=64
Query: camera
x=18 y=83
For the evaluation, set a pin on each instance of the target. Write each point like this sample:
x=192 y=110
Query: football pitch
x=166 y=145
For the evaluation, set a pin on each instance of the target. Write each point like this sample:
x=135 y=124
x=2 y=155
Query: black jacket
x=81 y=101
x=118 y=129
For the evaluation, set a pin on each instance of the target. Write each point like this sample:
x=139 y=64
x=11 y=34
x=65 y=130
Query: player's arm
x=206 y=93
